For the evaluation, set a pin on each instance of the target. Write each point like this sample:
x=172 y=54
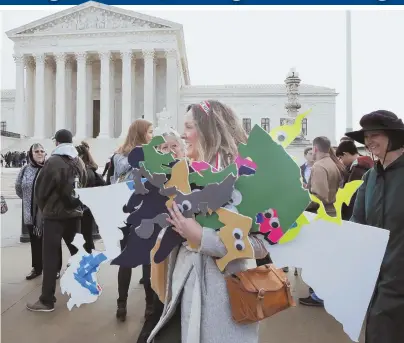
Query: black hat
x=63 y=136
x=380 y=120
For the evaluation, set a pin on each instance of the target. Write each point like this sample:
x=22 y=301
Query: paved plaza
x=96 y=323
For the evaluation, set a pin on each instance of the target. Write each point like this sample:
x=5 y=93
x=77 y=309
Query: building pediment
x=92 y=16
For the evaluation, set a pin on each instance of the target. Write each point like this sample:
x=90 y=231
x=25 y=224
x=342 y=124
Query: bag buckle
x=261 y=294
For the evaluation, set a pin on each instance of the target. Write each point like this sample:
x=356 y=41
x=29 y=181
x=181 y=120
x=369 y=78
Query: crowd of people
x=212 y=134
x=14 y=159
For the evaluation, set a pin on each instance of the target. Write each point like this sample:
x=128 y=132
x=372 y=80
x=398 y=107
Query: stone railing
x=10 y=134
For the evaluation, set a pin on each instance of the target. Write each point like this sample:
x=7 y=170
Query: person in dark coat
x=305 y=168
x=93 y=180
x=379 y=203
x=356 y=166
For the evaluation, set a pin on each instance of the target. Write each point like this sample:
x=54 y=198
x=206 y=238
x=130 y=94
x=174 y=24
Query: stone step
x=8 y=177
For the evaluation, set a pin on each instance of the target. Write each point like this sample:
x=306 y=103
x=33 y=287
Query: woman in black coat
x=379 y=203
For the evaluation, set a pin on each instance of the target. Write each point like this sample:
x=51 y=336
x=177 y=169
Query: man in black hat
x=379 y=203
x=62 y=211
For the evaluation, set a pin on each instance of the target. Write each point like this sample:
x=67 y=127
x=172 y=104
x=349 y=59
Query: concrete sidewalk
x=96 y=323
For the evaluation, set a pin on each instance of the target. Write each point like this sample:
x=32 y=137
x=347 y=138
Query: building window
x=247 y=125
x=265 y=124
x=3 y=126
x=304 y=127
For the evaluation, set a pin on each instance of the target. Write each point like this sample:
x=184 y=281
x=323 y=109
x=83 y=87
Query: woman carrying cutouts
x=140 y=132
x=197 y=308
x=174 y=145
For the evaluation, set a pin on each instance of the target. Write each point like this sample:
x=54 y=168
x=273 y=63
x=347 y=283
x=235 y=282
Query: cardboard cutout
x=208 y=175
x=324 y=245
x=286 y=134
x=207 y=200
x=277 y=176
x=343 y=196
x=234 y=235
x=149 y=209
x=155 y=161
x=79 y=281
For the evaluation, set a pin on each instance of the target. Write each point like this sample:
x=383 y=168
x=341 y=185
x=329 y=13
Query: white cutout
x=341 y=263
x=106 y=204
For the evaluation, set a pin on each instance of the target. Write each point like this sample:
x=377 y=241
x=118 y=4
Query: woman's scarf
x=34 y=209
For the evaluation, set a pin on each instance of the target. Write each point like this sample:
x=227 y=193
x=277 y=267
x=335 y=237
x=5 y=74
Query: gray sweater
x=24 y=186
x=195 y=282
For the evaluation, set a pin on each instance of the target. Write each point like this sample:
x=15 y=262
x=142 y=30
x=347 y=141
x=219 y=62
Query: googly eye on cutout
x=236 y=197
x=239 y=245
x=274 y=222
x=180 y=208
x=238 y=233
x=281 y=136
x=186 y=205
x=269 y=213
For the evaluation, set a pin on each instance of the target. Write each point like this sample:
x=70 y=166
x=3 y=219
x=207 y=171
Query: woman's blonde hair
x=220 y=132
x=136 y=136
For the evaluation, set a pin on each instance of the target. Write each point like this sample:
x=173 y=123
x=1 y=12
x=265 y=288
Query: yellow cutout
x=286 y=134
x=292 y=233
x=234 y=236
x=344 y=195
x=180 y=179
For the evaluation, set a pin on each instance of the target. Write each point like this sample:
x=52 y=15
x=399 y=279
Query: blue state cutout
x=89 y=265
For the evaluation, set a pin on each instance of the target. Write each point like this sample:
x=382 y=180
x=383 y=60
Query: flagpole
x=349 y=109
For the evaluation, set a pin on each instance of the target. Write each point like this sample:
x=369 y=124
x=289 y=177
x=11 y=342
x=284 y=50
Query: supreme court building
x=95 y=68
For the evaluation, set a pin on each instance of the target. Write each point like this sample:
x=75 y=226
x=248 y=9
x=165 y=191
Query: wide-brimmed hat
x=380 y=120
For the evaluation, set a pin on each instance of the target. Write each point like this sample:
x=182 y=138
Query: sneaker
x=309 y=301
x=286 y=269
x=121 y=311
x=32 y=275
x=39 y=307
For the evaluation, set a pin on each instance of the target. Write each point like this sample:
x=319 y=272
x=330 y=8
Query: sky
x=259 y=47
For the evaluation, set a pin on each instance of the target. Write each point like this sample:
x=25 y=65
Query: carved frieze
x=93 y=19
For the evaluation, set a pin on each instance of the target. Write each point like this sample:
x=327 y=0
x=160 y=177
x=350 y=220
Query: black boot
x=121 y=311
x=34 y=274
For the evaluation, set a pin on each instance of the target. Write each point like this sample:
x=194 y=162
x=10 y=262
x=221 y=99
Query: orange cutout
x=234 y=236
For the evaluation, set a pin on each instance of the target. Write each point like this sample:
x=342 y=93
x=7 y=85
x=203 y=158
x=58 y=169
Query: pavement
x=96 y=323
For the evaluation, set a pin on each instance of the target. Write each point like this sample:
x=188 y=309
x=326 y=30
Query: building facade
x=95 y=68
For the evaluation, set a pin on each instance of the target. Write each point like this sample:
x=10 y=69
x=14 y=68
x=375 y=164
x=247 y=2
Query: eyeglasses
x=39 y=151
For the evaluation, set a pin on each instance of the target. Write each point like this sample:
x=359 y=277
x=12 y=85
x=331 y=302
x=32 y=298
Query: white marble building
x=95 y=68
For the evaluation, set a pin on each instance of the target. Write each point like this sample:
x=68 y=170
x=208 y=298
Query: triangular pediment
x=93 y=16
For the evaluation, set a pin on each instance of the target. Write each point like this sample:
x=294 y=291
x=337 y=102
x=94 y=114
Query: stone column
x=60 y=122
x=19 y=104
x=149 y=96
x=172 y=87
x=90 y=118
x=69 y=94
x=81 y=102
x=112 y=96
x=105 y=94
x=133 y=96
x=39 y=132
x=30 y=97
x=126 y=91
x=49 y=91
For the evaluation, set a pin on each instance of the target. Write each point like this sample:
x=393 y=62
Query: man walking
x=62 y=211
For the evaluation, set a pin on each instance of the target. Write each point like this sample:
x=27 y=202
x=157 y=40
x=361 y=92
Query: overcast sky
x=242 y=47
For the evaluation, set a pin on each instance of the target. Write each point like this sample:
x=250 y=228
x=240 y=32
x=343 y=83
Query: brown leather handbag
x=258 y=293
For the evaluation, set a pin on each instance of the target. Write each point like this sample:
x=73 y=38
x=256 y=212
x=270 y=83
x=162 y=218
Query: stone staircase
x=8 y=177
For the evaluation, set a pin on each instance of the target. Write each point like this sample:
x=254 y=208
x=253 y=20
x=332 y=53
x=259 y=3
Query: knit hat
x=63 y=136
